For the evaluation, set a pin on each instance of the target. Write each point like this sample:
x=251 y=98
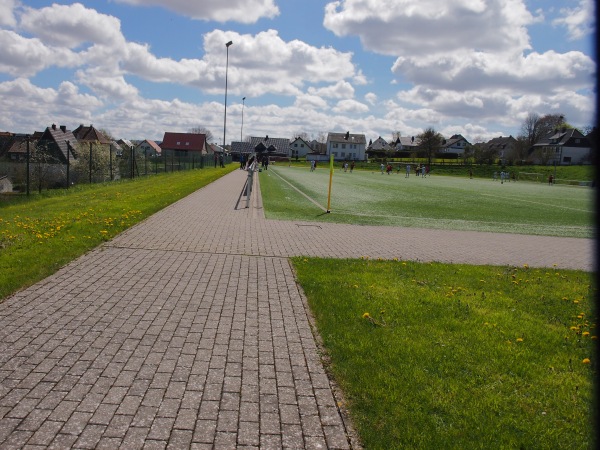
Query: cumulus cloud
x=420 y=27
x=25 y=57
x=243 y=11
x=467 y=58
x=350 y=106
x=579 y=21
x=342 y=89
x=7 y=17
x=72 y=25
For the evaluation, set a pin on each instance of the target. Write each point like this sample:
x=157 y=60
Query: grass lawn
x=367 y=197
x=450 y=356
x=41 y=234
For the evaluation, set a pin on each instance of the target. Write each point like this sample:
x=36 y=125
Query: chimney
x=63 y=128
x=54 y=126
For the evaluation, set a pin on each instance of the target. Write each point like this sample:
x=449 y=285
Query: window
x=178 y=143
x=302 y=145
x=187 y=143
x=335 y=146
x=343 y=145
x=343 y=154
x=295 y=145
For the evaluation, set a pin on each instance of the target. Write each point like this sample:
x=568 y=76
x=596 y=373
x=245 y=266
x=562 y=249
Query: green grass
x=455 y=356
x=369 y=198
x=41 y=234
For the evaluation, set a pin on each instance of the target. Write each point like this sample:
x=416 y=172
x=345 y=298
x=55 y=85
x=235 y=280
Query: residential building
x=564 y=146
x=346 y=146
x=502 y=147
x=58 y=143
x=380 y=145
x=299 y=148
x=456 y=144
x=148 y=148
x=407 y=144
x=184 y=143
x=278 y=148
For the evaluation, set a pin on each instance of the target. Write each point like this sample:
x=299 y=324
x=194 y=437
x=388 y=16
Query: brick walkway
x=189 y=330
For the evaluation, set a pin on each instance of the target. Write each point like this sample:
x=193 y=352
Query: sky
x=139 y=68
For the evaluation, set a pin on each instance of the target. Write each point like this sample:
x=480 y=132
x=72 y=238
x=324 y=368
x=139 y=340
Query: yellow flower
x=525 y=266
x=574 y=328
x=576 y=301
x=586 y=361
x=594 y=337
x=519 y=339
x=366 y=315
x=586 y=333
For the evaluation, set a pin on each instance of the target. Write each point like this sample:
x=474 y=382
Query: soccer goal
x=530 y=176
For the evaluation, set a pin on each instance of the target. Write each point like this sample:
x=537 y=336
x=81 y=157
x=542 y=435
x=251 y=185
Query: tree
x=431 y=142
x=202 y=130
x=534 y=127
x=98 y=168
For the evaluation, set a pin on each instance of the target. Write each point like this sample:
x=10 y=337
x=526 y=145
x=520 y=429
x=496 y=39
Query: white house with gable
x=346 y=146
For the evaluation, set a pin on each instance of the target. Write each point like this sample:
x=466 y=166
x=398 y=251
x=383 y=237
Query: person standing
x=351 y=166
x=407 y=171
x=382 y=167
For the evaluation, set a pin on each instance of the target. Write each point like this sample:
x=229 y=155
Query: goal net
x=530 y=176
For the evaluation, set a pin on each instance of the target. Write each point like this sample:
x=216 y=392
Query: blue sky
x=138 y=68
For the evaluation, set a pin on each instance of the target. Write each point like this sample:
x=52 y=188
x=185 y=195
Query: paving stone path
x=189 y=331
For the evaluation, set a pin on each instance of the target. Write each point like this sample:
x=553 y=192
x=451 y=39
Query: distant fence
x=129 y=164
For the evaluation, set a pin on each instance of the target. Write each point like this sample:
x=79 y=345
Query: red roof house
x=184 y=142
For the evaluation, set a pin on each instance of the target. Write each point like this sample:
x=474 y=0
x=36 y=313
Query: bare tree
x=203 y=130
x=534 y=127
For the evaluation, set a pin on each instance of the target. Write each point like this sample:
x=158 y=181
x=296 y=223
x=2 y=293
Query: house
x=407 y=144
x=184 y=143
x=563 y=146
x=90 y=134
x=17 y=147
x=299 y=148
x=58 y=144
x=501 y=147
x=278 y=148
x=148 y=148
x=346 y=146
x=456 y=144
x=380 y=145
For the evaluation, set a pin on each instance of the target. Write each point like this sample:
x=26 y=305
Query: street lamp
x=225 y=115
x=242 y=129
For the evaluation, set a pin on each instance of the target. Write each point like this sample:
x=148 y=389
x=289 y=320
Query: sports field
x=443 y=202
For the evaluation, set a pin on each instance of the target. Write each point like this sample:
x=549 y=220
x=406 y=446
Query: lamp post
x=242 y=129
x=225 y=115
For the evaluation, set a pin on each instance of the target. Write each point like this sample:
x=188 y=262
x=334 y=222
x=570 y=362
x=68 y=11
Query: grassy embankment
x=41 y=234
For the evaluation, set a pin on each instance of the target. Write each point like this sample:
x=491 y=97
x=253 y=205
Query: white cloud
x=307 y=101
x=350 y=106
x=371 y=98
x=579 y=21
x=72 y=25
x=243 y=11
x=7 y=17
x=25 y=57
x=342 y=89
x=422 y=27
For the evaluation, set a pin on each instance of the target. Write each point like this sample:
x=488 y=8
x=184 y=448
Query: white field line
x=300 y=192
x=536 y=203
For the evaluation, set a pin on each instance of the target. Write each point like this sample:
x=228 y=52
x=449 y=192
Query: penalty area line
x=535 y=203
x=300 y=192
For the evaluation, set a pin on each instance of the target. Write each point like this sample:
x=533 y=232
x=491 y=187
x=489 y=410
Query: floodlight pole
x=225 y=114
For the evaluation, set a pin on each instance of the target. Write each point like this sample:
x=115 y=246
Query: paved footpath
x=189 y=331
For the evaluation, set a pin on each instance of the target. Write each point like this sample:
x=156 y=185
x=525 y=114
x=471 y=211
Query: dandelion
x=366 y=316
x=576 y=302
x=574 y=328
x=586 y=361
x=594 y=337
x=586 y=333
x=525 y=266
x=356 y=286
x=519 y=339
